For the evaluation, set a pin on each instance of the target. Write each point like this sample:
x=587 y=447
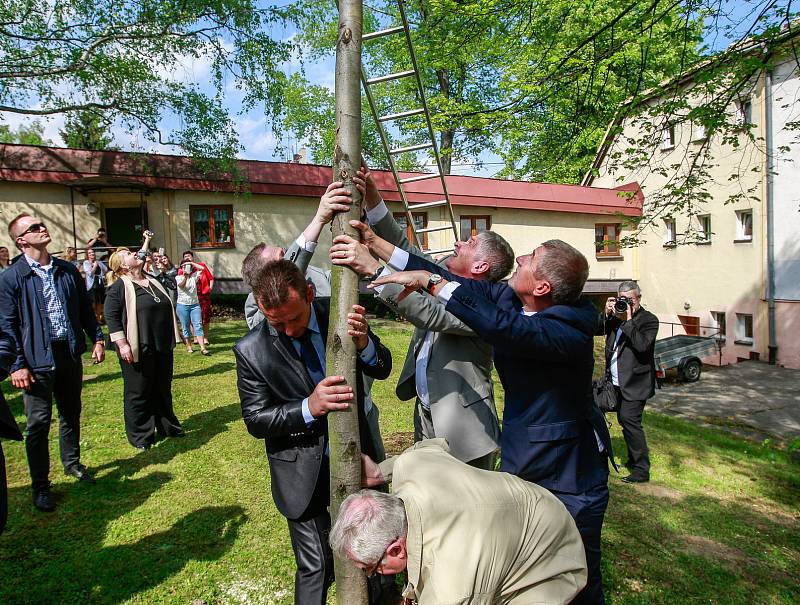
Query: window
x=668 y=137
x=420 y=222
x=744 y=328
x=670 y=234
x=744 y=225
x=704 y=224
x=718 y=324
x=699 y=132
x=744 y=112
x=473 y=225
x=212 y=226
x=606 y=240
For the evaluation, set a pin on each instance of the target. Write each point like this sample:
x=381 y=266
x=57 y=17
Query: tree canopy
x=126 y=57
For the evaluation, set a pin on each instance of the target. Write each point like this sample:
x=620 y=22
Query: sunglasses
x=35 y=228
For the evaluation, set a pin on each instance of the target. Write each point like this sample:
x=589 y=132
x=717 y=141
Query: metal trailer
x=685 y=352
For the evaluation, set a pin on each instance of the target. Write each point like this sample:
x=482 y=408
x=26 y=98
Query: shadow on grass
x=217 y=368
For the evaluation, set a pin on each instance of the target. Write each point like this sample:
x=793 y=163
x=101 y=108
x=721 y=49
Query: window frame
x=409 y=232
x=473 y=218
x=605 y=252
x=211 y=226
x=704 y=223
x=740 y=234
x=668 y=137
x=720 y=326
x=741 y=329
x=670 y=242
x=744 y=112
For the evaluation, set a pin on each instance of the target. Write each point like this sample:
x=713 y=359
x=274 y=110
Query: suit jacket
x=272 y=383
x=8 y=426
x=545 y=362
x=319 y=278
x=636 y=366
x=459 y=366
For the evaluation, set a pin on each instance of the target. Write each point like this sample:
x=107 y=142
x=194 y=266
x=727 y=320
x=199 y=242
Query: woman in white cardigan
x=142 y=325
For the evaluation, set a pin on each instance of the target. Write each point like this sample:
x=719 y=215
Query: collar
x=32 y=263
x=313 y=324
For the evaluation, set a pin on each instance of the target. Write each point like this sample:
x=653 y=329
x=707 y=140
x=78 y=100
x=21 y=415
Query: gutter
x=773 y=345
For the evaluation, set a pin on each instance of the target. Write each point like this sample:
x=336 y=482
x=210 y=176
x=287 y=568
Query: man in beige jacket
x=465 y=535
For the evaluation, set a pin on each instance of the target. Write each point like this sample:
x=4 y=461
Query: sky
x=259 y=143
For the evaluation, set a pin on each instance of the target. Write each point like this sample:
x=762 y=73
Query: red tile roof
x=33 y=164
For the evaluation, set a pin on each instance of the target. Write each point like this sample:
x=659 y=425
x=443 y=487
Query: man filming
x=630 y=332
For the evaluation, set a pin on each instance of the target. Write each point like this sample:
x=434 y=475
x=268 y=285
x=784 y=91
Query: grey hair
x=565 y=269
x=368 y=522
x=629 y=285
x=497 y=252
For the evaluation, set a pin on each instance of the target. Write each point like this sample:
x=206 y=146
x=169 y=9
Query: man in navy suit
x=542 y=332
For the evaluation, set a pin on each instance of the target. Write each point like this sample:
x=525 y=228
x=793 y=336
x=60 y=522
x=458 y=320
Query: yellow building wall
x=724 y=275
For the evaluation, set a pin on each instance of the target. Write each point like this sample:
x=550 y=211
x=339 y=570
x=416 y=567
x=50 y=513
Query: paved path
x=751 y=398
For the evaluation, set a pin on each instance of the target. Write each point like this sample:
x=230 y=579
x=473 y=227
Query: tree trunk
x=345 y=445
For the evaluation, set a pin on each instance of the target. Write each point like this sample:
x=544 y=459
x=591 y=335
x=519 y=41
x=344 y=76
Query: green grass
x=192 y=520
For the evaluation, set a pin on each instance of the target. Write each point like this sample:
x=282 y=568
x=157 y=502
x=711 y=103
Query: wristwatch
x=371 y=278
x=433 y=280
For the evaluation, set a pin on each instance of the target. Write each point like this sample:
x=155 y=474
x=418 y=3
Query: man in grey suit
x=447 y=367
x=335 y=199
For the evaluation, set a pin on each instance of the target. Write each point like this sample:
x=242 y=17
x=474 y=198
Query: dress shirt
x=613 y=369
x=54 y=307
x=369 y=356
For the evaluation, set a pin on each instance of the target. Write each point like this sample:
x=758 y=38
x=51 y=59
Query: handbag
x=605 y=394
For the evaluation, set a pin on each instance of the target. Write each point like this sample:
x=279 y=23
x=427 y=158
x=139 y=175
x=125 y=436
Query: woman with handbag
x=142 y=325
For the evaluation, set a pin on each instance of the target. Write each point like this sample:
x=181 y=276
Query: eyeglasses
x=36 y=227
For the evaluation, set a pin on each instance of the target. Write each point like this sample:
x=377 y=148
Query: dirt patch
x=396 y=443
x=661 y=491
x=715 y=551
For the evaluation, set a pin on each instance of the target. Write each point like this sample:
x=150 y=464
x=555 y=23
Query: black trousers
x=3 y=491
x=629 y=416
x=148 y=398
x=589 y=509
x=64 y=383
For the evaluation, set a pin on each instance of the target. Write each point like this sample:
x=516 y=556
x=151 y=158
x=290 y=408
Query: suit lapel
x=284 y=347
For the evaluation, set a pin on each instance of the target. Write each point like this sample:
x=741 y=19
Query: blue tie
x=308 y=354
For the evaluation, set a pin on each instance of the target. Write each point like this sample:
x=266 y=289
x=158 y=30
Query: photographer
x=141 y=322
x=188 y=306
x=630 y=332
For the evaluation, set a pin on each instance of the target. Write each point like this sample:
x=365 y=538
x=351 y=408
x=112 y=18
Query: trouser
x=424 y=429
x=374 y=429
x=148 y=398
x=3 y=491
x=629 y=416
x=64 y=383
x=190 y=314
x=588 y=509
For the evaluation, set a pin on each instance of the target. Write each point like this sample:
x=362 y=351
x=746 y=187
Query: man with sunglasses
x=44 y=307
x=463 y=534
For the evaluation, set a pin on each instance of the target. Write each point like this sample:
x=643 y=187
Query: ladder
x=429 y=144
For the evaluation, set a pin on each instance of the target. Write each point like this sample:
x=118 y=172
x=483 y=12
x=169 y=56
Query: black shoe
x=636 y=479
x=43 y=500
x=80 y=472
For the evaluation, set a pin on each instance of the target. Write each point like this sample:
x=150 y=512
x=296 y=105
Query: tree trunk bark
x=345 y=445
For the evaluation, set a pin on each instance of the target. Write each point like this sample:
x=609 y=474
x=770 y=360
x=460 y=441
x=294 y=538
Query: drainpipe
x=72 y=206
x=773 y=345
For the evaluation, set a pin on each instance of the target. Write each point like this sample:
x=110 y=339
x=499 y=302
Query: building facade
x=730 y=264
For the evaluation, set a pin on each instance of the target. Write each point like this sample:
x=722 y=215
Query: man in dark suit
x=630 y=344
x=542 y=332
x=45 y=309
x=286 y=396
x=8 y=426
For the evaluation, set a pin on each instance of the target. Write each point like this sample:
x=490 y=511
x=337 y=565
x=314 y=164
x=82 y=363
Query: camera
x=142 y=254
x=621 y=304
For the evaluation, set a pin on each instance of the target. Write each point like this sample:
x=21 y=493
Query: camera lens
x=621 y=305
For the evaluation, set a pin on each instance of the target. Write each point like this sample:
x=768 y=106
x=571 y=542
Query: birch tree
x=345 y=445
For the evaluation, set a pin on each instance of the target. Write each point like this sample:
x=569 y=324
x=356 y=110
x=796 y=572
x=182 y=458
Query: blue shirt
x=369 y=355
x=54 y=307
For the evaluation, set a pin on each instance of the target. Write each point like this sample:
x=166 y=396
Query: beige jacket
x=481 y=537
x=131 y=333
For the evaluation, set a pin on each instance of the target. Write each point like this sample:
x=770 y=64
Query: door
x=124 y=226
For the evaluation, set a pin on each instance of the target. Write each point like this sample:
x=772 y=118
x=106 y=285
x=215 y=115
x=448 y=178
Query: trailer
x=685 y=352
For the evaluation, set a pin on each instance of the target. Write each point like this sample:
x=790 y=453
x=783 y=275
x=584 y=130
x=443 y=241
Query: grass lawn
x=192 y=520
